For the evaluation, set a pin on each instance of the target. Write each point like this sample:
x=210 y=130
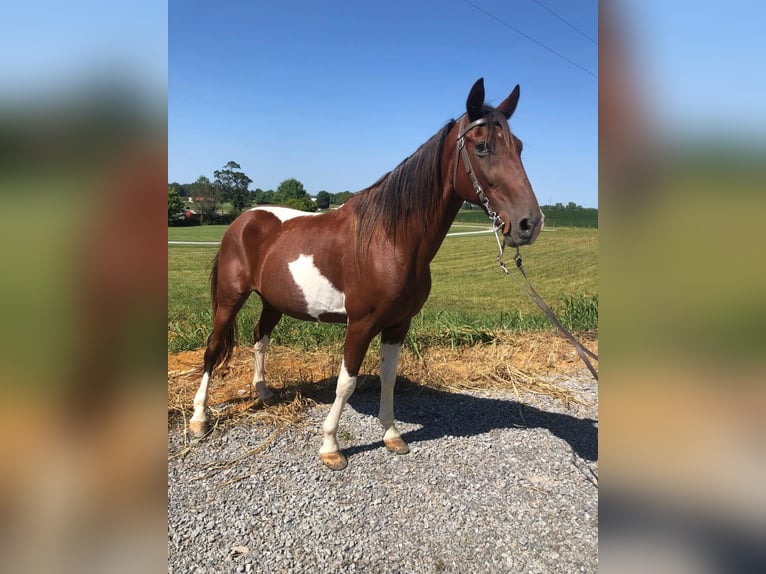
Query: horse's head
x=488 y=169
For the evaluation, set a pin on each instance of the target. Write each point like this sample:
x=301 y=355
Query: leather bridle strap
x=497 y=221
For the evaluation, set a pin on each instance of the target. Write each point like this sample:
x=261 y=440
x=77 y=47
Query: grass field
x=471 y=300
x=197 y=233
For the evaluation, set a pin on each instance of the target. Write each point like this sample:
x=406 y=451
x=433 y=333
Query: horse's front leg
x=356 y=344
x=389 y=357
x=330 y=452
x=390 y=348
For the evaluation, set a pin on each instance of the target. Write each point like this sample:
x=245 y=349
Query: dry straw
x=525 y=363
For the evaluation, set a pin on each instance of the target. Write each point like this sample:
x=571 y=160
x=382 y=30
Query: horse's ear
x=508 y=105
x=475 y=100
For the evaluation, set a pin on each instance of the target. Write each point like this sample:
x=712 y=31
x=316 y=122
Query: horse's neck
x=431 y=236
x=445 y=210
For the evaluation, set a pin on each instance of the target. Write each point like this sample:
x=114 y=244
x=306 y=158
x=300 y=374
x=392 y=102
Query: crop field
x=554 y=216
x=471 y=300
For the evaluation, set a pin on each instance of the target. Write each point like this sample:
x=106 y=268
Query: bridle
x=497 y=225
x=497 y=221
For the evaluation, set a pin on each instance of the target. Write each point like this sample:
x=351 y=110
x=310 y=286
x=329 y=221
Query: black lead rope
x=581 y=350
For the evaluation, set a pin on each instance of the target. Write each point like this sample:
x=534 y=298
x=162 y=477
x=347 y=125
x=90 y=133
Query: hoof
x=396 y=445
x=198 y=429
x=269 y=401
x=264 y=394
x=334 y=460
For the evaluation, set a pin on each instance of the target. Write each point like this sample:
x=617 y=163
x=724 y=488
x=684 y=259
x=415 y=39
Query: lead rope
x=581 y=350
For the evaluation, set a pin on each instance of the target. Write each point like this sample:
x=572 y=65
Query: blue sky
x=49 y=48
x=335 y=93
x=699 y=66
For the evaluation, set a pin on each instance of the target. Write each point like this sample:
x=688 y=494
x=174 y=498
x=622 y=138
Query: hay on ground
x=524 y=363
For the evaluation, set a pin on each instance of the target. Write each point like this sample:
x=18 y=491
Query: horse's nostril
x=524 y=224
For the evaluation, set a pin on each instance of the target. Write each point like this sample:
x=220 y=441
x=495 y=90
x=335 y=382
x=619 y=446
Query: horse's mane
x=404 y=196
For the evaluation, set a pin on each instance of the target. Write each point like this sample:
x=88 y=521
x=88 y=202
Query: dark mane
x=404 y=196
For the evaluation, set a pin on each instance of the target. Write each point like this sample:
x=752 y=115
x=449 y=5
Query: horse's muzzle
x=524 y=232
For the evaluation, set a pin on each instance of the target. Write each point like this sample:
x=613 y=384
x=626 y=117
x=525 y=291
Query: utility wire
x=530 y=38
x=575 y=28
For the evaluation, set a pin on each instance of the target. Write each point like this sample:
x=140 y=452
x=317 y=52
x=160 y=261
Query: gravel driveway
x=490 y=485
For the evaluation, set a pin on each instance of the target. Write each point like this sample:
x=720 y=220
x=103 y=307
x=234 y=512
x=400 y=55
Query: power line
x=575 y=28
x=530 y=38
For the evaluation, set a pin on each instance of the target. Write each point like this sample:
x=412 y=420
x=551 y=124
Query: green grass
x=196 y=233
x=471 y=300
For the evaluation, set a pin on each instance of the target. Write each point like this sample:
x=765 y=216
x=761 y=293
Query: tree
x=341 y=197
x=205 y=195
x=264 y=197
x=290 y=189
x=176 y=203
x=232 y=184
x=303 y=203
x=180 y=188
x=323 y=200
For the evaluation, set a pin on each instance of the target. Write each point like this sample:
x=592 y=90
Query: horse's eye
x=482 y=149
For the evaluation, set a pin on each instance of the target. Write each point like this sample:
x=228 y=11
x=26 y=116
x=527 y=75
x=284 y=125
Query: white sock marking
x=343 y=390
x=200 y=400
x=259 y=369
x=259 y=350
x=320 y=295
x=389 y=357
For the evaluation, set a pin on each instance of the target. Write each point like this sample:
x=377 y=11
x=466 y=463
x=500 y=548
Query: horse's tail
x=229 y=337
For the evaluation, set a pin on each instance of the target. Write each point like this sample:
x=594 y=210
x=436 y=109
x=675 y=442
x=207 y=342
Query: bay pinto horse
x=366 y=264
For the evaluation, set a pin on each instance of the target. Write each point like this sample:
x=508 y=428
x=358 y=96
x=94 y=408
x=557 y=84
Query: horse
x=366 y=263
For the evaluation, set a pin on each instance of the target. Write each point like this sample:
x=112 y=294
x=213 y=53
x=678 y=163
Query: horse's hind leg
x=219 y=347
x=268 y=320
x=390 y=348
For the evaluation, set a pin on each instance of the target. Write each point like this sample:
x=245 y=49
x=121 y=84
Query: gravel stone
x=494 y=482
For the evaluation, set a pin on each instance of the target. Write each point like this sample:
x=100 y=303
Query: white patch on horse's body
x=284 y=213
x=320 y=295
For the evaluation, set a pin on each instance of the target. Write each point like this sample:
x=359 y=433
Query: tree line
x=232 y=186
x=229 y=194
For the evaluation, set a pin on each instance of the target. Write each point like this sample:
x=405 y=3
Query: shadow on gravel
x=443 y=413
